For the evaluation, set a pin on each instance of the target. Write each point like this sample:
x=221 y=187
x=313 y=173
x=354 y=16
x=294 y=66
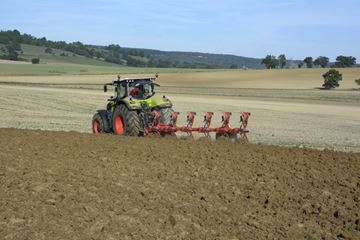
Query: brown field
x=57 y=185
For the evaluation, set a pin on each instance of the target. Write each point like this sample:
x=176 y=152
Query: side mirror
x=105 y=88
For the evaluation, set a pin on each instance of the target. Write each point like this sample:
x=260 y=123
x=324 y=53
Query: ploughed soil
x=67 y=185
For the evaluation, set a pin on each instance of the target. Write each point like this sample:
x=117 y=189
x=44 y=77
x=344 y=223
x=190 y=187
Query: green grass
x=76 y=69
x=31 y=51
x=54 y=64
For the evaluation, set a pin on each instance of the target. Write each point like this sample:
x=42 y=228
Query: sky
x=296 y=28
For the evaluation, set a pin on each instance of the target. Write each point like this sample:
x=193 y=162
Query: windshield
x=141 y=90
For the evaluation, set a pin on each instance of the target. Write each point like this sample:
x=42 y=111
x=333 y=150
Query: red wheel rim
x=96 y=126
x=119 y=125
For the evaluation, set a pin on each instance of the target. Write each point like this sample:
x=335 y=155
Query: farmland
x=73 y=186
x=287 y=105
x=60 y=68
x=298 y=178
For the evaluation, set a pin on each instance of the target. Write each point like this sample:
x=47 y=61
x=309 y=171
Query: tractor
x=135 y=110
x=129 y=111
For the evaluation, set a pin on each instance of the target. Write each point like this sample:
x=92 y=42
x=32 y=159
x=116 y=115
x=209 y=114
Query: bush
x=332 y=78
x=357 y=81
x=35 y=60
x=48 y=50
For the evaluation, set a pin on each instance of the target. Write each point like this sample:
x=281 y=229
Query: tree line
x=112 y=53
x=322 y=61
x=270 y=62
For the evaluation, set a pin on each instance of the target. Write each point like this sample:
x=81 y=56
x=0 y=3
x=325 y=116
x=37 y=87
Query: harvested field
x=192 y=78
x=2 y=61
x=303 y=118
x=56 y=185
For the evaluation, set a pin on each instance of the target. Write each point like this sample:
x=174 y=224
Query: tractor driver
x=135 y=91
x=139 y=91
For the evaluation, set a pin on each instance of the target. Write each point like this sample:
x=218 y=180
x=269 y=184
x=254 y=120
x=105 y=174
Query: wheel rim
x=96 y=126
x=119 y=125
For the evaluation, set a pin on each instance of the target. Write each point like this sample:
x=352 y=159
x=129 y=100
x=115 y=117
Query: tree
x=3 y=51
x=141 y=54
x=332 y=78
x=35 y=60
x=114 y=48
x=270 y=61
x=233 y=66
x=309 y=62
x=345 y=61
x=48 y=50
x=321 y=61
x=11 y=53
x=300 y=64
x=282 y=60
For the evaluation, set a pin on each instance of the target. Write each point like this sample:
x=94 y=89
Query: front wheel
x=100 y=123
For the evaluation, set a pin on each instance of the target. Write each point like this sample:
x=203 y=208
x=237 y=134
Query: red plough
x=224 y=131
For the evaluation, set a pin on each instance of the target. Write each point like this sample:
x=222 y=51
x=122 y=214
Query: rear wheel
x=126 y=122
x=100 y=123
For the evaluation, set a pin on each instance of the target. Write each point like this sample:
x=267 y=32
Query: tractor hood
x=153 y=102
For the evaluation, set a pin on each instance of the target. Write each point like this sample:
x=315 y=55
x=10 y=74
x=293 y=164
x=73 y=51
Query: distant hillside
x=17 y=46
x=223 y=60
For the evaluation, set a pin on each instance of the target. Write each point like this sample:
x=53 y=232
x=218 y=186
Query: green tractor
x=129 y=111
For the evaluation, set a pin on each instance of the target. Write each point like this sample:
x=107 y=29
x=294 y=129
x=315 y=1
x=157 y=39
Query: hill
x=17 y=46
x=223 y=60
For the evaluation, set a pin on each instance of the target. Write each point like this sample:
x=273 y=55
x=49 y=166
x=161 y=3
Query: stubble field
x=286 y=105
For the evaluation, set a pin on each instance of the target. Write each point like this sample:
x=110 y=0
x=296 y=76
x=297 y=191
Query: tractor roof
x=152 y=79
x=130 y=80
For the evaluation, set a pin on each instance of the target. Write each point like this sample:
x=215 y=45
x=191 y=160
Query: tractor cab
x=135 y=88
x=141 y=89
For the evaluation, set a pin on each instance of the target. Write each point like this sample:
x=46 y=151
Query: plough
x=225 y=130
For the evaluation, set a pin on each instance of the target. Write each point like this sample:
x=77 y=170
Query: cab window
x=121 y=90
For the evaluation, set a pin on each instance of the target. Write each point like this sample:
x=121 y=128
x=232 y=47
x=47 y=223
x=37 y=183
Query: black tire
x=166 y=115
x=130 y=121
x=166 y=118
x=105 y=119
x=218 y=136
x=100 y=123
x=232 y=136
